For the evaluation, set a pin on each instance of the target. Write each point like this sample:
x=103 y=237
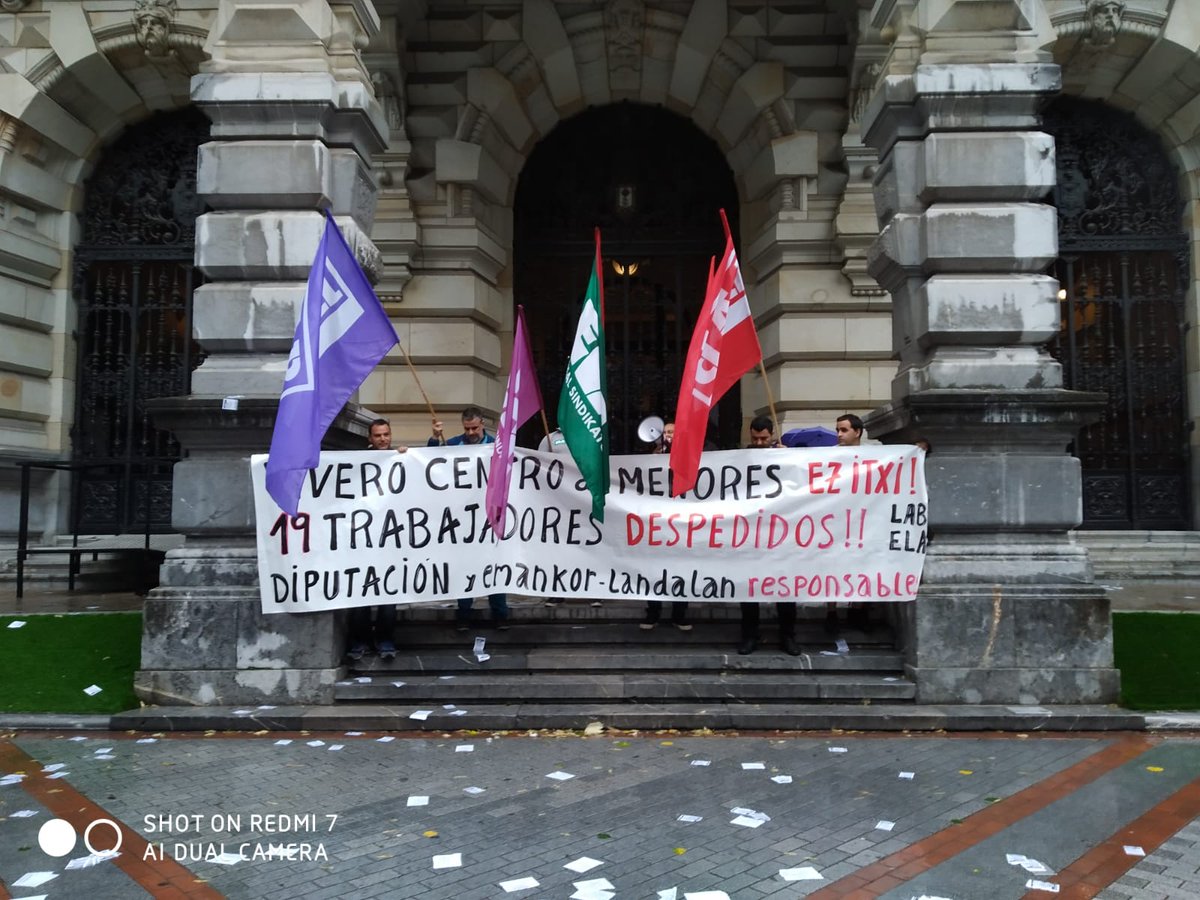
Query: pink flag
x=724 y=345
x=522 y=399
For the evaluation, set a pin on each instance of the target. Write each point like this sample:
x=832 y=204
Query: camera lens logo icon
x=57 y=837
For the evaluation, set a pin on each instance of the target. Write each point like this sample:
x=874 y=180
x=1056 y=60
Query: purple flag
x=522 y=399
x=342 y=334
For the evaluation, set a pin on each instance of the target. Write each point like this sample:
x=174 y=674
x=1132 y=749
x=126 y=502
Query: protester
x=473 y=433
x=654 y=607
x=762 y=436
x=849 y=429
x=365 y=633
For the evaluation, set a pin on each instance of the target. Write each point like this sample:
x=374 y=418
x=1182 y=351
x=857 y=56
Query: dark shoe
x=787 y=643
x=357 y=650
x=501 y=624
x=681 y=625
x=460 y=625
x=647 y=624
x=747 y=646
x=554 y=601
x=831 y=621
x=387 y=650
x=597 y=603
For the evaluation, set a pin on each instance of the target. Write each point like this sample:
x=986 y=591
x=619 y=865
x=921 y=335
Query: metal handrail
x=76 y=470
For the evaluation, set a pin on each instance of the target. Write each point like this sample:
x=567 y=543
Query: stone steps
x=1126 y=555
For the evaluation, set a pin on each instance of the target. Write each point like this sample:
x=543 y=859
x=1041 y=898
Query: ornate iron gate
x=134 y=280
x=652 y=183
x=1123 y=274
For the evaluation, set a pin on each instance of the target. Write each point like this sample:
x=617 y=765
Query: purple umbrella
x=809 y=437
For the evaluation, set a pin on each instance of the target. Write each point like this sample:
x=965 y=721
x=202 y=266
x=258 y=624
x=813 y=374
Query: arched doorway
x=134 y=278
x=653 y=183
x=1123 y=274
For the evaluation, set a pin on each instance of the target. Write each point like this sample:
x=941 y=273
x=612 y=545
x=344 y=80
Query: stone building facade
x=897 y=199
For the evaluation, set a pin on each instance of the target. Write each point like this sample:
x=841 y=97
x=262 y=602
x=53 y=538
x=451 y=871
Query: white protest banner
x=809 y=525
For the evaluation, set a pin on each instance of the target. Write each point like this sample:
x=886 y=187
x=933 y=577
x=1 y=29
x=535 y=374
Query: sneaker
x=387 y=650
x=787 y=643
x=647 y=624
x=462 y=626
x=683 y=626
x=597 y=603
x=502 y=624
x=357 y=651
x=554 y=601
x=747 y=646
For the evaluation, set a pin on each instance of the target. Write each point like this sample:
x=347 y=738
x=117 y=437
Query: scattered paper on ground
x=706 y=895
x=909 y=776
x=22 y=814
x=701 y=762
x=746 y=822
x=1034 y=885
x=782 y=779
x=560 y=776
x=283 y=742
x=1130 y=849
x=420 y=715
x=34 y=879
x=668 y=894
x=92 y=690
x=386 y=739
x=885 y=825
x=19 y=623
x=837 y=750
x=754 y=765
x=803 y=873
x=584 y=864
x=519 y=884
x=228 y=859
x=315 y=743
x=447 y=861
x=465 y=748
x=473 y=790
x=687 y=818
x=92 y=859
x=417 y=800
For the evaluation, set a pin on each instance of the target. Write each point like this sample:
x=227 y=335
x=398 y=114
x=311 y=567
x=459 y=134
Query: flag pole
x=411 y=368
x=770 y=399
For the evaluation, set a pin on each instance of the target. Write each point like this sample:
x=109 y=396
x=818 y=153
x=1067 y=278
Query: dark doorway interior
x=134 y=280
x=653 y=183
x=1123 y=274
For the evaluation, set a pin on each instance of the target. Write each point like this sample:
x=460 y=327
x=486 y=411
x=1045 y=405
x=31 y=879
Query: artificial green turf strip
x=50 y=659
x=1159 y=658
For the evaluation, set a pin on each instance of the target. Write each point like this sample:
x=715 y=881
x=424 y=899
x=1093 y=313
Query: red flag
x=724 y=346
x=522 y=398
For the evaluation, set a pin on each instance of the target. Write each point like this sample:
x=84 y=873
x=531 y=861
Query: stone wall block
x=1009 y=491
x=231 y=687
x=986 y=309
x=206 y=625
x=213 y=495
x=1003 y=368
x=277 y=245
x=989 y=237
x=246 y=317
x=288 y=640
x=986 y=166
x=1082 y=633
x=264 y=174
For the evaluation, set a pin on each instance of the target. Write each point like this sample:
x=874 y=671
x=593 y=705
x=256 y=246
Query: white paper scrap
x=242 y=712
x=1034 y=885
x=61 y=774
x=583 y=894
x=1130 y=849
x=560 y=776
x=1033 y=867
x=34 y=879
x=18 y=623
x=842 y=646
x=830 y=653
x=386 y=739
x=459 y=712
x=519 y=884
x=447 y=861
x=782 y=779
x=417 y=800
x=706 y=895
x=10 y=779
x=445 y=677
x=337 y=746
x=77 y=738
x=26 y=813
x=748 y=766
x=316 y=743
x=354 y=734
x=746 y=822
x=837 y=750
x=594 y=889
x=146 y=741
x=266 y=706
x=669 y=894
x=689 y=818
x=283 y=742
x=92 y=859
x=399 y=683
x=420 y=715
x=227 y=859
x=803 y=873
x=884 y=825
x=92 y=690
x=103 y=756
x=908 y=776
x=54 y=767
x=473 y=790
x=103 y=750
x=465 y=748
x=586 y=864
x=700 y=762
x=363 y=679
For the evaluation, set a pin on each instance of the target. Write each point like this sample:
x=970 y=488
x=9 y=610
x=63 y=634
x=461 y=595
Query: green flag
x=583 y=405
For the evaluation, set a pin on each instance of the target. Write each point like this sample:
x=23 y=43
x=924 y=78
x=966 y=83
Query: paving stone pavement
x=1070 y=802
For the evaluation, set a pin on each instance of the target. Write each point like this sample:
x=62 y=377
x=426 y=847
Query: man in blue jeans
x=473 y=433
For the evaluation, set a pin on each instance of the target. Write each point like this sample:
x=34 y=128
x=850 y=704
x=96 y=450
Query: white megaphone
x=554 y=442
x=650 y=429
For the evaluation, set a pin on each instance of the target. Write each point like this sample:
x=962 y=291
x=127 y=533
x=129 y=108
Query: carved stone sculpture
x=152 y=22
x=1103 y=21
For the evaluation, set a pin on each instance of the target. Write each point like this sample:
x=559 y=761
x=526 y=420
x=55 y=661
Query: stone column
x=1007 y=612
x=295 y=124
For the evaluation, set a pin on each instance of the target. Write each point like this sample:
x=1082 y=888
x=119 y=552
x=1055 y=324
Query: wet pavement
x=777 y=815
